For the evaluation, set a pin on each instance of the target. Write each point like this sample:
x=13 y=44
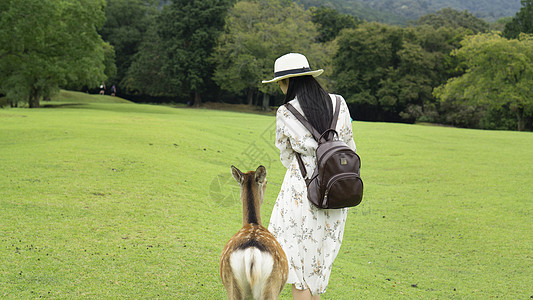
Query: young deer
x=253 y=265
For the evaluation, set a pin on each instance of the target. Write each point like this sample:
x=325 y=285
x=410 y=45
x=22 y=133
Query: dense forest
x=442 y=65
x=403 y=11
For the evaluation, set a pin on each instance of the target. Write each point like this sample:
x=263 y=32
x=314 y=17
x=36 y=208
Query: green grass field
x=110 y=199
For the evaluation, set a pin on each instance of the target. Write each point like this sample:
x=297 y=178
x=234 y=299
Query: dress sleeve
x=347 y=133
x=282 y=140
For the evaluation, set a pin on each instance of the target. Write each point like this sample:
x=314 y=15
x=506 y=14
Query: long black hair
x=314 y=100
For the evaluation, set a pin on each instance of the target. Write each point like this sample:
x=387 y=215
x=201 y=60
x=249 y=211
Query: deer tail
x=252 y=268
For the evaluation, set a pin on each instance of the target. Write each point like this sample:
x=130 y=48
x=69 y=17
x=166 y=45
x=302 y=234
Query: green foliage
x=357 y=9
x=499 y=74
x=499 y=25
x=330 y=22
x=119 y=204
x=258 y=32
x=145 y=75
x=109 y=61
x=388 y=72
x=49 y=43
x=125 y=26
x=452 y=18
x=522 y=21
x=401 y=12
x=189 y=30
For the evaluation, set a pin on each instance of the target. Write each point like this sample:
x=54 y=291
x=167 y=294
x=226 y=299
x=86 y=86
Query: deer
x=253 y=265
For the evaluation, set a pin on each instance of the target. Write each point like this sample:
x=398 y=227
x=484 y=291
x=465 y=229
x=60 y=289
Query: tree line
x=447 y=67
x=400 y=12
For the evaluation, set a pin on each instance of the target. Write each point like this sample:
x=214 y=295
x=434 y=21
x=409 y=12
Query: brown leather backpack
x=335 y=183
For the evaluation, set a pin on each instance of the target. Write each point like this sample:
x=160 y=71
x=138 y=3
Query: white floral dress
x=311 y=237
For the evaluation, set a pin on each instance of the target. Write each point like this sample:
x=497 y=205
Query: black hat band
x=292 y=71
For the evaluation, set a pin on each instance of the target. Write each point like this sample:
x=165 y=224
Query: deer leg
x=272 y=290
x=234 y=291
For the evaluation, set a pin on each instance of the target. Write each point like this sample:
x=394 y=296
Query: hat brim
x=315 y=73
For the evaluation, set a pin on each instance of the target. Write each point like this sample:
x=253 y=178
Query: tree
x=365 y=57
x=145 y=75
x=47 y=44
x=110 y=70
x=359 y=9
x=330 y=22
x=256 y=33
x=387 y=73
x=522 y=21
x=125 y=26
x=499 y=25
x=189 y=30
x=499 y=74
x=448 y=17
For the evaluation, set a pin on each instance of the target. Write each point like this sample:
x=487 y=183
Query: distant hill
x=402 y=11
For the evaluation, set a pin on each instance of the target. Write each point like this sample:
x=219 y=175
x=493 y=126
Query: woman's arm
x=282 y=140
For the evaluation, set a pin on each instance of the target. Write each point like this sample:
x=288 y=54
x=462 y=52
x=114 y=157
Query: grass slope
x=121 y=200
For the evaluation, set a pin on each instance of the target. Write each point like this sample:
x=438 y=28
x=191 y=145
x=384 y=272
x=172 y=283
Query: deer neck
x=251 y=199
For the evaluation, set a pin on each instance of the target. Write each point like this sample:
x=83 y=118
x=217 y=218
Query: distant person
x=311 y=237
x=102 y=89
x=113 y=90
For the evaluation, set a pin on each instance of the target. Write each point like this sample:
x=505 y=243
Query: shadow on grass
x=63 y=105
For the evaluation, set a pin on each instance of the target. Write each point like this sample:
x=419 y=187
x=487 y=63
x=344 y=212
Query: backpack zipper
x=336 y=178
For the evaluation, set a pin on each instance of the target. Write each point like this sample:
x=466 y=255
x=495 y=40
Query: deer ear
x=237 y=174
x=260 y=174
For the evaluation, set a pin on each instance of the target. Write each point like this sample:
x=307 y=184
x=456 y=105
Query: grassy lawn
x=102 y=198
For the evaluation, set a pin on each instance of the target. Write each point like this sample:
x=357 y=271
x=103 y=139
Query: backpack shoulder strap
x=332 y=128
x=311 y=129
x=336 y=113
x=304 y=121
x=303 y=170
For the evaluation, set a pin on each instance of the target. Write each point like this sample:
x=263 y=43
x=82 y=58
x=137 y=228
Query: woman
x=311 y=237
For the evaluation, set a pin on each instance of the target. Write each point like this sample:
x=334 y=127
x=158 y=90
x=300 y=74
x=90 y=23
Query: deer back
x=253 y=236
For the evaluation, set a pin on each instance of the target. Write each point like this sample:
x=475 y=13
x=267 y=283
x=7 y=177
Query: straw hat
x=292 y=65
